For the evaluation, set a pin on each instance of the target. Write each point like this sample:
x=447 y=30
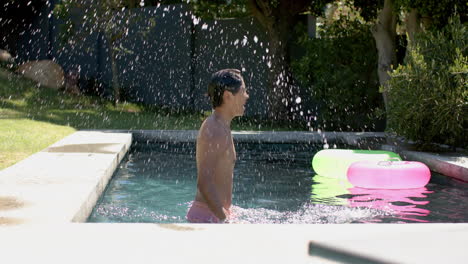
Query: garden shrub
x=340 y=71
x=429 y=94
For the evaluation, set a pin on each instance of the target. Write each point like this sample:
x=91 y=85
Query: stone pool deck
x=62 y=182
x=186 y=243
x=44 y=199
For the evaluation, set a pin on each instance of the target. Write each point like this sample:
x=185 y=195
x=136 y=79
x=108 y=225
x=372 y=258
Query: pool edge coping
x=447 y=164
x=62 y=182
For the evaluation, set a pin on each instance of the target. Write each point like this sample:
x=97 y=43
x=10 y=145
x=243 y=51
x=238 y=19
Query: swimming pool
x=273 y=183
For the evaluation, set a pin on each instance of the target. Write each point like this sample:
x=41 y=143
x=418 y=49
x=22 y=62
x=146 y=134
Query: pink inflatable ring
x=388 y=174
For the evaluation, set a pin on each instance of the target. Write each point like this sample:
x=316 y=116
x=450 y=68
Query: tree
x=430 y=15
x=278 y=17
x=342 y=81
x=384 y=19
x=418 y=15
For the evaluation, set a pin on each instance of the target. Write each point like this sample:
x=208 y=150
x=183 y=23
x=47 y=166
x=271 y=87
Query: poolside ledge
x=454 y=165
x=61 y=183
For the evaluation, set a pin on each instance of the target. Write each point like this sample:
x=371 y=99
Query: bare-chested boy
x=215 y=149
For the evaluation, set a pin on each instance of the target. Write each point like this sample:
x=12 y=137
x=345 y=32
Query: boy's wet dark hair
x=224 y=80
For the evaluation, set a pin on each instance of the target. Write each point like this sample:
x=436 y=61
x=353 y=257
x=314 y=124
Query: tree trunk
x=413 y=24
x=282 y=88
x=115 y=76
x=279 y=22
x=384 y=32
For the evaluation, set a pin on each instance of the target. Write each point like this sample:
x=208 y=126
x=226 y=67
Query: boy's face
x=238 y=101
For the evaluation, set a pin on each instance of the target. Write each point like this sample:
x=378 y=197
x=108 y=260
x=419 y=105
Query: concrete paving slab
x=351 y=138
x=189 y=243
x=63 y=182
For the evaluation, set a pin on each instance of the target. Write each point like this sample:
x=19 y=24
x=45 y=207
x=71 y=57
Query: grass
x=20 y=138
x=32 y=118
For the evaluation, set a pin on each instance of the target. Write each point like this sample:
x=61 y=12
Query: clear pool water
x=273 y=183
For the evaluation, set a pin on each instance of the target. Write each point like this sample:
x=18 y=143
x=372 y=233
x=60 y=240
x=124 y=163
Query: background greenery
x=340 y=71
x=429 y=93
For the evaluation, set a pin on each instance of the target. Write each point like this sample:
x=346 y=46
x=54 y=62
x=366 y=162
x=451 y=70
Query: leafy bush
x=340 y=71
x=429 y=94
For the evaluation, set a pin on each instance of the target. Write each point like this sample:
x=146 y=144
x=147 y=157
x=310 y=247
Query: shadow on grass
x=22 y=99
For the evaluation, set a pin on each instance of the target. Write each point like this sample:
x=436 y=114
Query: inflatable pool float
x=388 y=174
x=335 y=162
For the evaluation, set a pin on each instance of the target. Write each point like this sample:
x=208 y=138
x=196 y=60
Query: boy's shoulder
x=211 y=130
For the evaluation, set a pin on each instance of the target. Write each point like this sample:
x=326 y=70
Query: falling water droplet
x=244 y=41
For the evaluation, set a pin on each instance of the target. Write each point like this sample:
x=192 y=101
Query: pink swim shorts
x=200 y=213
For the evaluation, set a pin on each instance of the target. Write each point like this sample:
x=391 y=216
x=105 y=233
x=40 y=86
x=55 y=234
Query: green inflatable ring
x=335 y=162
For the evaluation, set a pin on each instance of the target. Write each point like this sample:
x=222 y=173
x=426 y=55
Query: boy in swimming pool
x=215 y=152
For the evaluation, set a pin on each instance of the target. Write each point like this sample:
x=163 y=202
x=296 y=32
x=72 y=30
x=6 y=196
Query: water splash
x=308 y=214
x=130 y=215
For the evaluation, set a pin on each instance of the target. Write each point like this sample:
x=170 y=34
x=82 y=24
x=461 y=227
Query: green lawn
x=32 y=118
